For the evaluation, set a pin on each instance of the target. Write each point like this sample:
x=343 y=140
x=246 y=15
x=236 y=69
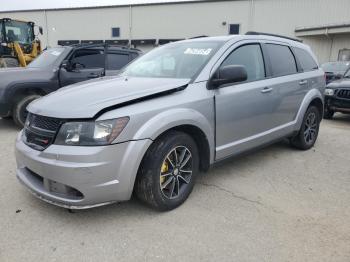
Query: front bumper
x=80 y=177
x=337 y=104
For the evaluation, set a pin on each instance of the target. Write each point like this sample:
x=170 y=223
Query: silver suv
x=170 y=114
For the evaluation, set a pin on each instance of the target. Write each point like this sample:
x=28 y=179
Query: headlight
x=91 y=133
x=329 y=92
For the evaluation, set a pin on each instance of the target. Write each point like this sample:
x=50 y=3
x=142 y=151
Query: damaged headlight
x=91 y=133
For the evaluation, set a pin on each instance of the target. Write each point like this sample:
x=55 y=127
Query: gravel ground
x=277 y=204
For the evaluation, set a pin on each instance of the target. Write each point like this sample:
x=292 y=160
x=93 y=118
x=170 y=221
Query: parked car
x=338 y=96
x=55 y=68
x=174 y=111
x=335 y=70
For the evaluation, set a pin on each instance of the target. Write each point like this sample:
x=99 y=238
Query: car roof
x=112 y=47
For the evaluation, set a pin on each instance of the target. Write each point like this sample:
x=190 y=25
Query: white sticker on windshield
x=55 y=53
x=197 y=51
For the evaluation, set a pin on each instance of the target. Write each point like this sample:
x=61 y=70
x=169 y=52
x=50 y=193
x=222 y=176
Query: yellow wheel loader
x=19 y=44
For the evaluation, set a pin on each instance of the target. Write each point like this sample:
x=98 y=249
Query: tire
x=20 y=112
x=161 y=181
x=328 y=114
x=8 y=62
x=307 y=136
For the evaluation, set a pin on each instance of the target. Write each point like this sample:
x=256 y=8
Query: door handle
x=266 y=90
x=303 y=82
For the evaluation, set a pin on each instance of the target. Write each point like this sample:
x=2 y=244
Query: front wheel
x=20 y=112
x=168 y=171
x=307 y=136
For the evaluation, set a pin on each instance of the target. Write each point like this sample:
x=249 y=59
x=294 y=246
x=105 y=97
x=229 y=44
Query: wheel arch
x=188 y=121
x=16 y=92
x=318 y=103
x=200 y=139
x=313 y=97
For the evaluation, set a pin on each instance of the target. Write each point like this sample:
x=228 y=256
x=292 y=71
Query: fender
x=45 y=87
x=309 y=97
x=160 y=123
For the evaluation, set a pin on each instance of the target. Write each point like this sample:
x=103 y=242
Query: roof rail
x=275 y=35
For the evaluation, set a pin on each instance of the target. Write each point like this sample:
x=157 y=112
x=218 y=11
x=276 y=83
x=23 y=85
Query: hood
x=341 y=83
x=18 y=75
x=87 y=99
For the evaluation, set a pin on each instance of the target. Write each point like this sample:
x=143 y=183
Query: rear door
x=286 y=81
x=116 y=60
x=84 y=64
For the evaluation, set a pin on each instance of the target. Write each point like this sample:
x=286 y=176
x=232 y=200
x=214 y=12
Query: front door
x=243 y=110
x=84 y=64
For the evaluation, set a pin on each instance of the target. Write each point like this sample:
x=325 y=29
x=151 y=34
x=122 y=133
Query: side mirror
x=41 y=30
x=67 y=65
x=229 y=74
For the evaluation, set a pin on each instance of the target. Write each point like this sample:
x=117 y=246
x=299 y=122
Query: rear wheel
x=8 y=62
x=308 y=132
x=20 y=112
x=168 y=171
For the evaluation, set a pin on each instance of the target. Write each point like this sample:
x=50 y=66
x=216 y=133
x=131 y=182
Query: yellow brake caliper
x=164 y=169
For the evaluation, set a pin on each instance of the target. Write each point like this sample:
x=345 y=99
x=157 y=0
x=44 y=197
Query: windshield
x=176 y=60
x=336 y=67
x=21 y=32
x=47 y=58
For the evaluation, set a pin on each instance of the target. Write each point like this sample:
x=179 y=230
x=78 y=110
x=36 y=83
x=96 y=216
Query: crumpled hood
x=341 y=83
x=86 y=99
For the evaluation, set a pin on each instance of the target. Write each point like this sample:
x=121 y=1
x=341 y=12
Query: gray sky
x=10 y=5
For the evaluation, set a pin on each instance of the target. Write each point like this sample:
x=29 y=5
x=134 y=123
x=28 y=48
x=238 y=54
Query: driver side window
x=89 y=58
x=249 y=56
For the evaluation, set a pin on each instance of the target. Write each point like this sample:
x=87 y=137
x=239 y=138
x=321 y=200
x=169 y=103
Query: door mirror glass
x=229 y=74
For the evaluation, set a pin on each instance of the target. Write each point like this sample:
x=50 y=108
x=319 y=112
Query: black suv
x=55 y=68
x=337 y=96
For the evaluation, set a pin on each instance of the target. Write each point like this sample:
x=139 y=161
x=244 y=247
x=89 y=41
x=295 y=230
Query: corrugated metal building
x=324 y=24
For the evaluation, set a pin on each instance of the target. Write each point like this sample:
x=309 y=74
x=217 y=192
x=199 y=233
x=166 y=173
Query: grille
x=344 y=93
x=40 y=131
x=43 y=122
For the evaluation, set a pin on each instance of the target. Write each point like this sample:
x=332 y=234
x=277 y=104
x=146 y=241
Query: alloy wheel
x=176 y=172
x=310 y=130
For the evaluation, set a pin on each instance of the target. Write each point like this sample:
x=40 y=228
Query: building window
x=234 y=29
x=115 y=31
x=344 y=55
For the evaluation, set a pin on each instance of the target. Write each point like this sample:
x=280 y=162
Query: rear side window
x=116 y=61
x=251 y=58
x=305 y=59
x=282 y=60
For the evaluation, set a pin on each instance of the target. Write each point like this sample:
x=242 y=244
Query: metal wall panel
x=183 y=20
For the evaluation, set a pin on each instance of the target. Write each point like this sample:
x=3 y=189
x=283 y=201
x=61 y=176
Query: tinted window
x=117 y=61
x=282 y=60
x=251 y=58
x=305 y=59
x=89 y=58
